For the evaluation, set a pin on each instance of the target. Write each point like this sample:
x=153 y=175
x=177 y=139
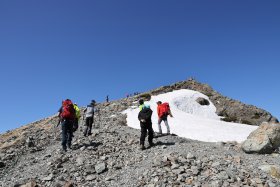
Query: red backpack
x=68 y=111
x=164 y=109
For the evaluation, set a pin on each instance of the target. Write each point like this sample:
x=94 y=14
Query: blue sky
x=83 y=50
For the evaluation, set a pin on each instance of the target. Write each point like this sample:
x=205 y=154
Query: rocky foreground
x=31 y=156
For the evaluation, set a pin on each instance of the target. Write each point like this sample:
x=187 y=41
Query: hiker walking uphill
x=89 y=114
x=67 y=116
x=163 y=111
x=144 y=117
x=77 y=117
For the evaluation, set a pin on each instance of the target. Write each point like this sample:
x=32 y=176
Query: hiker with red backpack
x=163 y=111
x=67 y=116
x=89 y=114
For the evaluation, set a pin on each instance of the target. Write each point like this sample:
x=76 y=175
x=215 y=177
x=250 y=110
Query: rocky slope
x=31 y=156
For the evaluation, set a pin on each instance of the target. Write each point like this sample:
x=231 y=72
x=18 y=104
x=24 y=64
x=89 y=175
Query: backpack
x=68 y=111
x=78 y=112
x=89 y=111
x=164 y=109
x=145 y=115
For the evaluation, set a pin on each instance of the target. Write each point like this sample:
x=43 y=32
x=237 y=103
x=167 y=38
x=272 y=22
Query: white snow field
x=191 y=120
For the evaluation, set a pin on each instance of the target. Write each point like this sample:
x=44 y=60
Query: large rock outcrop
x=264 y=140
x=232 y=110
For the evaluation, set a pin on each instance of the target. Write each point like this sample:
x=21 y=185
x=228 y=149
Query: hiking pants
x=164 y=118
x=89 y=122
x=144 y=128
x=76 y=124
x=67 y=133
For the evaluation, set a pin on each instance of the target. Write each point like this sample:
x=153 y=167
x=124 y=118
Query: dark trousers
x=67 y=133
x=144 y=128
x=89 y=122
x=75 y=124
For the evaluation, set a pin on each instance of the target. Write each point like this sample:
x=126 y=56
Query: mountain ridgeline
x=229 y=109
x=31 y=156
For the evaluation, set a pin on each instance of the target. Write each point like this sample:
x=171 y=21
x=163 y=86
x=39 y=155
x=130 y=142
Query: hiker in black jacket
x=144 y=117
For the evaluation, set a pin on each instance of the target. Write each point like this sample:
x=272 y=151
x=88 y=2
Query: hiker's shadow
x=159 y=143
x=91 y=144
x=162 y=135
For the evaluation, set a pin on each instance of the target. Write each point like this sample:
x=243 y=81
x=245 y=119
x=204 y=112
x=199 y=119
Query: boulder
x=202 y=101
x=263 y=140
x=272 y=170
x=100 y=168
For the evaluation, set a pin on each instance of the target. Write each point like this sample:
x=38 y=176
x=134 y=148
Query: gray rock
x=178 y=171
x=264 y=140
x=272 y=170
x=190 y=156
x=30 y=142
x=100 y=168
x=216 y=164
x=90 y=178
x=223 y=175
x=80 y=161
x=48 y=178
x=202 y=101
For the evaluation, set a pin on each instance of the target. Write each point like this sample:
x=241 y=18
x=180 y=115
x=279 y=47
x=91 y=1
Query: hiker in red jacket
x=163 y=111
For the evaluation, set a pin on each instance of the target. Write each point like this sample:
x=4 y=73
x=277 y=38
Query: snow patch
x=191 y=120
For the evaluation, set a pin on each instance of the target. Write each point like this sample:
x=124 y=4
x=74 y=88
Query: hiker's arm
x=170 y=114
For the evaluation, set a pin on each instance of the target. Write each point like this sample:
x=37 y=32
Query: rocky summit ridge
x=30 y=156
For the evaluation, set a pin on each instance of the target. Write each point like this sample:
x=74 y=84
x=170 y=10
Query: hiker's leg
x=87 y=126
x=167 y=126
x=159 y=127
x=64 y=134
x=70 y=133
x=151 y=134
x=90 y=125
x=143 y=134
x=75 y=124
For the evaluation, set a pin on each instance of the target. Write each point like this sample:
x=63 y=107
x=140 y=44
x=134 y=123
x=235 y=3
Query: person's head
x=141 y=102
x=93 y=102
x=159 y=103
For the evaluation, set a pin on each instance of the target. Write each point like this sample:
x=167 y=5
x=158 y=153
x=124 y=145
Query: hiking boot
x=142 y=147
x=69 y=146
x=64 y=150
x=152 y=144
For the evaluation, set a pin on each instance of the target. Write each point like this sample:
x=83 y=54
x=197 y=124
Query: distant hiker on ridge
x=67 y=116
x=89 y=113
x=107 y=98
x=144 y=117
x=163 y=111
